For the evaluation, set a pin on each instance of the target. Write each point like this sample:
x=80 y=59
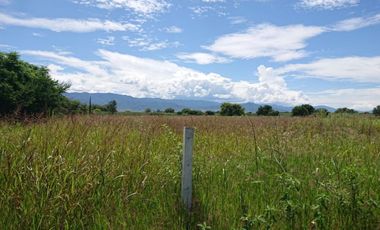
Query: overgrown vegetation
x=249 y=173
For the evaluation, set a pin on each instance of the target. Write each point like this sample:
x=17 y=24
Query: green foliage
x=229 y=109
x=303 y=110
x=322 y=112
x=147 y=110
x=169 y=110
x=111 y=107
x=376 y=110
x=187 y=111
x=210 y=113
x=27 y=89
x=345 y=110
x=266 y=110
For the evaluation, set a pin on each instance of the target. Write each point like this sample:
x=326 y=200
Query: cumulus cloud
x=143 y=77
x=357 y=69
x=328 y=4
x=66 y=24
x=281 y=43
x=202 y=58
x=143 y=7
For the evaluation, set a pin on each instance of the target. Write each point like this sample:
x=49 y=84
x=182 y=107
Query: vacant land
x=249 y=173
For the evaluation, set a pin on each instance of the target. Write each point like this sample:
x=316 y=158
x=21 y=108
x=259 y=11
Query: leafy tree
x=27 y=89
x=187 y=111
x=345 y=110
x=303 y=110
x=210 y=113
x=266 y=110
x=376 y=110
x=229 y=109
x=169 y=110
x=148 y=110
x=112 y=106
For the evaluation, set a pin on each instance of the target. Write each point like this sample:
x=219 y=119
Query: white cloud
x=281 y=43
x=143 y=7
x=360 y=99
x=143 y=77
x=173 y=30
x=358 y=69
x=66 y=24
x=356 y=23
x=202 y=58
x=145 y=43
x=328 y=4
x=108 y=41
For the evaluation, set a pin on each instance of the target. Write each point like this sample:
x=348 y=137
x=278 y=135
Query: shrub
x=266 y=110
x=345 y=110
x=229 y=109
x=303 y=110
x=376 y=110
x=169 y=110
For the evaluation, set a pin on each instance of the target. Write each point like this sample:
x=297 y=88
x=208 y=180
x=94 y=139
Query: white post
x=186 y=185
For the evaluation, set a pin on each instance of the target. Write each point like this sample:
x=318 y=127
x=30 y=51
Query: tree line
x=27 y=89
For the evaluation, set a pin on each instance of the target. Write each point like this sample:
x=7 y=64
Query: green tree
x=169 y=110
x=147 y=110
x=210 y=113
x=303 y=110
x=345 y=110
x=111 y=106
x=376 y=110
x=27 y=89
x=266 y=110
x=229 y=109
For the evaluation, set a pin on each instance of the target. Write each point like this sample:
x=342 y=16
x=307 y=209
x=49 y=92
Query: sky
x=321 y=52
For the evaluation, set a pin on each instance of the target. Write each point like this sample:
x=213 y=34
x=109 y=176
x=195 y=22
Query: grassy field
x=123 y=172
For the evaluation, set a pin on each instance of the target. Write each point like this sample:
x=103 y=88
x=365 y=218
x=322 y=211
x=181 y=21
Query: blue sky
x=264 y=51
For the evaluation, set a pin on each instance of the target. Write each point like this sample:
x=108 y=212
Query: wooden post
x=186 y=185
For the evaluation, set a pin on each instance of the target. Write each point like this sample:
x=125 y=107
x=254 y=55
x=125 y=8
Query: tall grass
x=249 y=173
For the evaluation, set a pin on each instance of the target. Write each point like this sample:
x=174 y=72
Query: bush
x=210 y=113
x=169 y=110
x=345 y=110
x=229 y=109
x=266 y=110
x=187 y=111
x=303 y=110
x=376 y=110
x=322 y=112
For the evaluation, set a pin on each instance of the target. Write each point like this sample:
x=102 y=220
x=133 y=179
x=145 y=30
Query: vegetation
x=376 y=110
x=123 y=172
x=27 y=89
x=345 y=110
x=187 y=111
x=229 y=109
x=267 y=110
x=169 y=110
x=303 y=110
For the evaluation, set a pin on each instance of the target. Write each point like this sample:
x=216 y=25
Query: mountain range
x=128 y=103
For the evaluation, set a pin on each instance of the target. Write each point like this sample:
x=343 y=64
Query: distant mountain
x=129 y=103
